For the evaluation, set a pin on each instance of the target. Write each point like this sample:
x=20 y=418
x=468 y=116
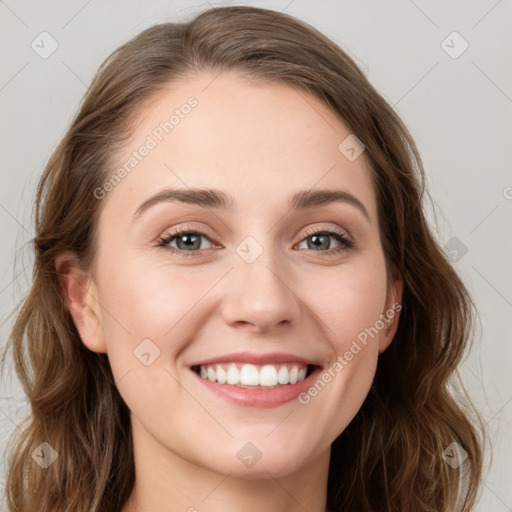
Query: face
x=240 y=307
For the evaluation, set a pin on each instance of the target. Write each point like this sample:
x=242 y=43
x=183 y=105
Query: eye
x=321 y=241
x=189 y=242
x=186 y=241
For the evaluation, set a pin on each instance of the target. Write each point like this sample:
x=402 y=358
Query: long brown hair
x=390 y=457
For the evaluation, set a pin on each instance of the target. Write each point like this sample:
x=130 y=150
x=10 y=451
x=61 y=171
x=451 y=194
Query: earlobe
x=80 y=296
x=391 y=314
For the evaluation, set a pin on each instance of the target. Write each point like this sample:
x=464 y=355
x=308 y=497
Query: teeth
x=233 y=376
x=251 y=375
x=268 y=375
x=282 y=376
x=294 y=375
x=210 y=372
x=221 y=375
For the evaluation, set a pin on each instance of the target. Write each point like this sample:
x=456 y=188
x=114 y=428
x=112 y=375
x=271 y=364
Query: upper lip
x=251 y=358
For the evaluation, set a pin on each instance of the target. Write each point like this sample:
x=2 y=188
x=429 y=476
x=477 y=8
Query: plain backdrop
x=444 y=66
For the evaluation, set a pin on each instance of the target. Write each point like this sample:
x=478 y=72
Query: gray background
x=458 y=110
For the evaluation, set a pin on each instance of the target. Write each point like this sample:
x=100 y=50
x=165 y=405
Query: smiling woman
x=255 y=314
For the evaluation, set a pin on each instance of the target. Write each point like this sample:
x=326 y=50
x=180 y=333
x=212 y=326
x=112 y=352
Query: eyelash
x=345 y=243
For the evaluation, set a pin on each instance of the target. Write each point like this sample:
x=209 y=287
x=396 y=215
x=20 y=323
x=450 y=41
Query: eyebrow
x=217 y=199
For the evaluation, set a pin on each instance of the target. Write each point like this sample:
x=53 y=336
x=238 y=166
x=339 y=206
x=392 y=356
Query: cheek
x=151 y=300
x=148 y=303
x=160 y=302
x=152 y=316
x=349 y=301
x=349 y=306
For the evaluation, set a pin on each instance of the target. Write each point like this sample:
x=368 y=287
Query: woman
x=237 y=302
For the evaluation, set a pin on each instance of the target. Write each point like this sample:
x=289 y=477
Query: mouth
x=255 y=376
x=251 y=380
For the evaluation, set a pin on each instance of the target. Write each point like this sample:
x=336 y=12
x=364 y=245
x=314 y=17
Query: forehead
x=261 y=143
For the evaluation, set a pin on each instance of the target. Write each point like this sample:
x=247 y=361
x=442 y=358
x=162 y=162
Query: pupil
x=190 y=241
x=324 y=245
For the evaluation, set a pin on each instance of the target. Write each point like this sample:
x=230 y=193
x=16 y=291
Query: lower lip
x=260 y=397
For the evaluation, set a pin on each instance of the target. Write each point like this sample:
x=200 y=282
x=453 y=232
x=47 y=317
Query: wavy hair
x=389 y=458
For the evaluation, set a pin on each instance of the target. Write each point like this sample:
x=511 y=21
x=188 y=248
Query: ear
x=81 y=298
x=391 y=313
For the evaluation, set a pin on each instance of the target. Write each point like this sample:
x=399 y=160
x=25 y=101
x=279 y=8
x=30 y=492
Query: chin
x=260 y=458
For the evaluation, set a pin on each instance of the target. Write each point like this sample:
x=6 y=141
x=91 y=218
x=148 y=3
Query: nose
x=260 y=295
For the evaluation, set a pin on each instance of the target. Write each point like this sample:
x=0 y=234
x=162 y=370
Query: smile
x=256 y=380
x=267 y=376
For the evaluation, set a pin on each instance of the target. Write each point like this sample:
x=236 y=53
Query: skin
x=260 y=144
